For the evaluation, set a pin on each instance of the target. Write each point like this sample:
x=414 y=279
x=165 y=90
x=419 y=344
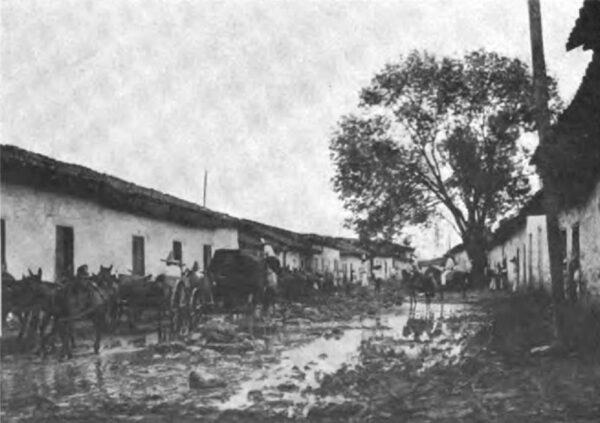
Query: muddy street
x=282 y=367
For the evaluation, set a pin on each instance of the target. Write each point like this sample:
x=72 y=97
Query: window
x=3 y=229
x=530 y=260
x=539 y=256
x=575 y=241
x=177 y=251
x=525 y=264
x=138 y=256
x=64 y=253
x=336 y=265
x=206 y=255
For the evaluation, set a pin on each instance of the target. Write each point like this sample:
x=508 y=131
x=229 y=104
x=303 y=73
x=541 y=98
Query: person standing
x=573 y=278
x=448 y=268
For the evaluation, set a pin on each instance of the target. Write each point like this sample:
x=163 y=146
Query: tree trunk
x=475 y=246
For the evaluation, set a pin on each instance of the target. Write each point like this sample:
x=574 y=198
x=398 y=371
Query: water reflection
x=303 y=367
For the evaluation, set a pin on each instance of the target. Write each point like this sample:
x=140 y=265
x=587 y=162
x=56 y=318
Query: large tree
x=438 y=135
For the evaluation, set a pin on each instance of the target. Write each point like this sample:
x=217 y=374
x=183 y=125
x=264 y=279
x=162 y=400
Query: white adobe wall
x=495 y=256
x=511 y=247
x=532 y=242
x=354 y=263
x=538 y=274
x=101 y=236
x=462 y=261
x=387 y=267
x=293 y=259
x=326 y=259
x=588 y=218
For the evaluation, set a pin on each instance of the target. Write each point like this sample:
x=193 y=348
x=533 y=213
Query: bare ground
x=452 y=364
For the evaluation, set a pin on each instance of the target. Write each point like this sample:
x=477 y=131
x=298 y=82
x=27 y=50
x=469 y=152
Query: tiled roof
x=24 y=167
x=512 y=225
x=251 y=232
x=571 y=158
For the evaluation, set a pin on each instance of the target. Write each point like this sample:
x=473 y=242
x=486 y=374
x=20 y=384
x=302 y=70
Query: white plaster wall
x=588 y=217
x=356 y=263
x=510 y=250
x=326 y=259
x=101 y=236
x=387 y=267
x=538 y=274
x=293 y=259
x=462 y=261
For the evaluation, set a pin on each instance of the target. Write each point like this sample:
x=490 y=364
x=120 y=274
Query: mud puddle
x=281 y=372
x=291 y=386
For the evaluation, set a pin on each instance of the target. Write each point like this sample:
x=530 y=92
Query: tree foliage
x=437 y=134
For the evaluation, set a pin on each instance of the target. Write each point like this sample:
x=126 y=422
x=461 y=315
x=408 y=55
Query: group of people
x=449 y=267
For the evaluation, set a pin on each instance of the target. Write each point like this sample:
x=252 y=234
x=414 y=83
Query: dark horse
x=241 y=279
x=418 y=282
x=31 y=299
x=140 y=293
x=81 y=297
x=456 y=280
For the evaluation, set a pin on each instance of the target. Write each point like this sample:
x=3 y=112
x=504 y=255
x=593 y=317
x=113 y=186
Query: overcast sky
x=155 y=92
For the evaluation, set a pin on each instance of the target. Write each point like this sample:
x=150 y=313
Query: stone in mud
x=288 y=387
x=256 y=396
x=172 y=348
x=201 y=379
x=336 y=411
x=216 y=331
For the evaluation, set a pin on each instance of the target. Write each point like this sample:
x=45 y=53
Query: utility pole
x=551 y=196
x=205 y=180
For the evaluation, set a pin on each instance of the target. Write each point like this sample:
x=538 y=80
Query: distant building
x=293 y=251
x=354 y=259
x=460 y=257
x=521 y=242
x=57 y=216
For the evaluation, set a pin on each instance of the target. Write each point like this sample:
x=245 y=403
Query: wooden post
x=205 y=180
x=551 y=196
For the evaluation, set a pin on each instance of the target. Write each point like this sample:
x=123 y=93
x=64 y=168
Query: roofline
x=27 y=168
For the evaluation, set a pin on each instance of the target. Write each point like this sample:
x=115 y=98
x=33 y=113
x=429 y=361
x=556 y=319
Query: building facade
x=57 y=216
x=580 y=236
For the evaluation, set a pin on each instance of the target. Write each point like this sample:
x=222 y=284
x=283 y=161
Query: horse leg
x=64 y=329
x=42 y=333
x=159 y=325
x=97 y=328
x=23 y=319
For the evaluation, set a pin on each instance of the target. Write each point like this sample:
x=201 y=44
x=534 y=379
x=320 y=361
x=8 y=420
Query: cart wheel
x=179 y=311
x=196 y=308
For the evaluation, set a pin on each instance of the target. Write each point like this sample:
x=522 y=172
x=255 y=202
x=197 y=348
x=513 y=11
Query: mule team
x=234 y=281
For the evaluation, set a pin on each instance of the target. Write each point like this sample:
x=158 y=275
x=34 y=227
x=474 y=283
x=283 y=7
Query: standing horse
x=31 y=299
x=82 y=298
x=418 y=282
x=140 y=293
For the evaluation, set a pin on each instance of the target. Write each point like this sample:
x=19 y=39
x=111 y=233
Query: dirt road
x=286 y=369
